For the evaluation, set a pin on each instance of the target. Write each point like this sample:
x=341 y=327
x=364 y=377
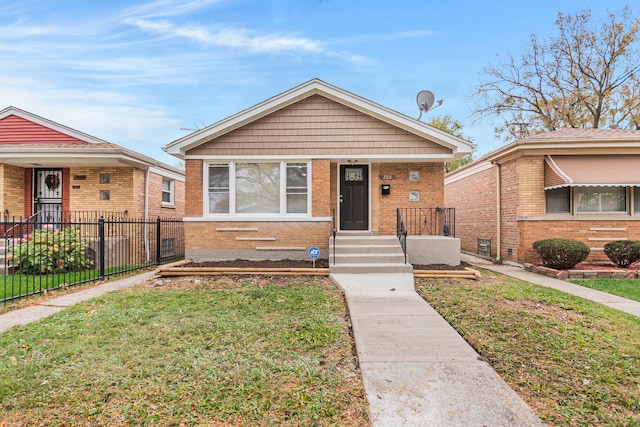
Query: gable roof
x=28 y=140
x=565 y=142
x=313 y=87
x=568 y=140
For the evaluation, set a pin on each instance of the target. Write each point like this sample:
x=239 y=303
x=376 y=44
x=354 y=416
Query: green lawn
x=197 y=351
x=575 y=362
x=626 y=288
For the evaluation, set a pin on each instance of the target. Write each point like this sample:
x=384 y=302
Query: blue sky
x=135 y=73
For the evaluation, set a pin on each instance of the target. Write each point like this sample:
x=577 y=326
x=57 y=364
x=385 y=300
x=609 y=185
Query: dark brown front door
x=354 y=197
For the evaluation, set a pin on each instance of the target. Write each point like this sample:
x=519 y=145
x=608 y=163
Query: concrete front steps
x=355 y=254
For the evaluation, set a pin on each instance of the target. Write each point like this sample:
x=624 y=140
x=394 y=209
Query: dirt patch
x=231 y=281
x=290 y=263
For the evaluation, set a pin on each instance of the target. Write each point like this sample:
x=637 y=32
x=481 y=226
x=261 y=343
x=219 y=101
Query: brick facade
x=522 y=212
x=82 y=192
x=328 y=127
x=12 y=190
x=475 y=201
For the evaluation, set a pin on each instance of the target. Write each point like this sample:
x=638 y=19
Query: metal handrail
x=430 y=221
x=333 y=233
x=401 y=232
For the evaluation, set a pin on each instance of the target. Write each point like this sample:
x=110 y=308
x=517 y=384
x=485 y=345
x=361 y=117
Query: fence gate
x=47 y=195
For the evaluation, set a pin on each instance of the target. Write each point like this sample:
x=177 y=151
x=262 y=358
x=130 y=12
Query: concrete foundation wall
x=424 y=250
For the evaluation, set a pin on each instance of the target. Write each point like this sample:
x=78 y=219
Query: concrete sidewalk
x=417 y=370
x=47 y=308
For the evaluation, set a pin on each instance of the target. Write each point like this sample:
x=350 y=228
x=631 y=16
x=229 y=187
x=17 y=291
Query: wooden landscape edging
x=467 y=273
x=178 y=269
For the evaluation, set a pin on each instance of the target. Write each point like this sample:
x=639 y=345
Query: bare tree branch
x=586 y=76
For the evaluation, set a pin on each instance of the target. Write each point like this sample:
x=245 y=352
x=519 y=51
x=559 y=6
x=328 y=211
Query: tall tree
x=584 y=77
x=450 y=125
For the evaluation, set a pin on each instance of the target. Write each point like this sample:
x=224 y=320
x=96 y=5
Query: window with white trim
x=258 y=187
x=167 y=191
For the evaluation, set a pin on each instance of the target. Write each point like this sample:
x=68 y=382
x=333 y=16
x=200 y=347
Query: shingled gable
x=25 y=137
x=454 y=146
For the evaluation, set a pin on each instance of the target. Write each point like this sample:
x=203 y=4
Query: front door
x=47 y=195
x=354 y=197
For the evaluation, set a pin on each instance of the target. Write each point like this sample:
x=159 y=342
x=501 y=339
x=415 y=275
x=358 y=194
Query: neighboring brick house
x=48 y=169
x=582 y=184
x=269 y=181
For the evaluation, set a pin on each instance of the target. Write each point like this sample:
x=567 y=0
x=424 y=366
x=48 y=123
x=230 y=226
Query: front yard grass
x=575 y=362
x=193 y=351
x=626 y=288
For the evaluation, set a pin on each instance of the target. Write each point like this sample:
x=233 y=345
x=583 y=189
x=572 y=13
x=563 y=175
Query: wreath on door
x=52 y=181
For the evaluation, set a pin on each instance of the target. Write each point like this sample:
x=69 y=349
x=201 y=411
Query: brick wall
x=474 y=199
x=156 y=207
x=509 y=206
x=430 y=186
x=12 y=190
x=531 y=182
x=321 y=188
x=261 y=236
x=85 y=190
x=594 y=233
x=193 y=197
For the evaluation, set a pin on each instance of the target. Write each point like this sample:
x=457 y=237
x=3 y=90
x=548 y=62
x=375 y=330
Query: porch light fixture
x=352 y=161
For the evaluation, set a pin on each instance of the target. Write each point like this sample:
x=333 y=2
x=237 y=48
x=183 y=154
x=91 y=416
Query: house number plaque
x=387 y=177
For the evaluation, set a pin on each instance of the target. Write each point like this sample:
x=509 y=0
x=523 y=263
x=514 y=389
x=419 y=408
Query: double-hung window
x=167 y=191
x=254 y=188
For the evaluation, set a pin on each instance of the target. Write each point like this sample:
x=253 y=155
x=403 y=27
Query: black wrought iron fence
x=430 y=221
x=45 y=255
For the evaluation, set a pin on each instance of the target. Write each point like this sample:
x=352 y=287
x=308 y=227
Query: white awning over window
x=608 y=170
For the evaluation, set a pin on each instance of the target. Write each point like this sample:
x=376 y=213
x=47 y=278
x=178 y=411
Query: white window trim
x=172 y=188
x=232 y=190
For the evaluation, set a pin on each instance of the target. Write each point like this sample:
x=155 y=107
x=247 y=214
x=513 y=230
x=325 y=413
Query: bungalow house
x=276 y=179
x=581 y=184
x=47 y=169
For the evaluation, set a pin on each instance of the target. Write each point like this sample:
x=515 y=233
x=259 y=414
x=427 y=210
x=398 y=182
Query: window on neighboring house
x=558 y=200
x=636 y=200
x=270 y=187
x=601 y=199
x=167 y=191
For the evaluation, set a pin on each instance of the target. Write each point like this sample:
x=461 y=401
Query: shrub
x=623 y=253
x=50 y=251
x=561 y=254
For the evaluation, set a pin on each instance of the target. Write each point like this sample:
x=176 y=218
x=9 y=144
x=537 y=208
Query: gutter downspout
x=146 y=214
x=498 y=213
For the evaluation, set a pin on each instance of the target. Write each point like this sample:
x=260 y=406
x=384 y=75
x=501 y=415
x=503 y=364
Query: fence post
x=158 y=242
x=101 y=247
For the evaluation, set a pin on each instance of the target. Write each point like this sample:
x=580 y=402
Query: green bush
x=623 y=253
x=51 y=251
x=561 y=254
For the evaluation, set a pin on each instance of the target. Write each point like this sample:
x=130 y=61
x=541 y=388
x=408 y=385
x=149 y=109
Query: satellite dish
x=425 y=101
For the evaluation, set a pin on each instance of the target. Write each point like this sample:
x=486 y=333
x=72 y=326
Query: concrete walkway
x=417 y=370
x=47 y=308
